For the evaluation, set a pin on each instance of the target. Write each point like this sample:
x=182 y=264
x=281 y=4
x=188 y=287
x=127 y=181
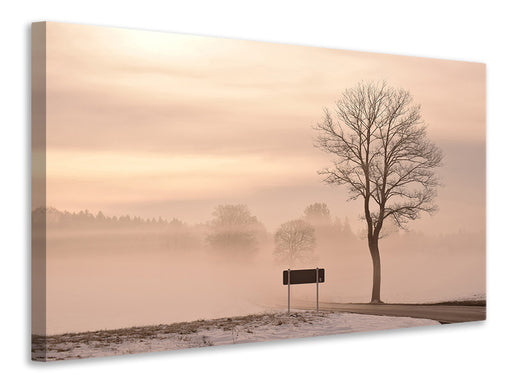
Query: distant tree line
x=233 y=233
x=84 y=218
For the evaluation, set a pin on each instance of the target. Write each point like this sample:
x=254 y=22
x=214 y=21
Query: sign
x=304 y=276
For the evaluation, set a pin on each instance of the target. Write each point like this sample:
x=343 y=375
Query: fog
x=217 y=133
x=105 y=274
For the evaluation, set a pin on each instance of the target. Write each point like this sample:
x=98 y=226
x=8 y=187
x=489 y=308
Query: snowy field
x=201 y=333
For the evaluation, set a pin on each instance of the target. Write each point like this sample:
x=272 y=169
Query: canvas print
x=190 y=191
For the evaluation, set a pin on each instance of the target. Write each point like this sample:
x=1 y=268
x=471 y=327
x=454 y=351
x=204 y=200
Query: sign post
x=317 y=289
x=289 y=290
x=303 y=276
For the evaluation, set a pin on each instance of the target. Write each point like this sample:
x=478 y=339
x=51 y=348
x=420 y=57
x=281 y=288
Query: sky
x=157 y=124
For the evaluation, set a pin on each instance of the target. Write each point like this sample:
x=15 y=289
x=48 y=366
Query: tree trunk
x=374 y=251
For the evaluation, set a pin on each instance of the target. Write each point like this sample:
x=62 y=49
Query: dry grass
x=105 y=339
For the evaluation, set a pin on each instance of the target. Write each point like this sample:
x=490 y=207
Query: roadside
x=445 y=313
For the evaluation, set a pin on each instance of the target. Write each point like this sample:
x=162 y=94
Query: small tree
x=317 y=214
x=233 y=230
x=294 y=241
x=382 y=155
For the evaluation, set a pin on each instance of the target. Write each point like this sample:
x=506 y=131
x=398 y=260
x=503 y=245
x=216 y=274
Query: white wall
x=462 y=30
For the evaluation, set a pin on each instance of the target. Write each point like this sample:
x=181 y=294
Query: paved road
x=441 y=313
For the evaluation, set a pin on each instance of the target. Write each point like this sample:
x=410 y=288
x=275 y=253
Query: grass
x=41 y=345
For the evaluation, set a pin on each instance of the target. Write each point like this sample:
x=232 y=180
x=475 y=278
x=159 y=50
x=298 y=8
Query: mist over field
x=179 y=175
x=106 y=274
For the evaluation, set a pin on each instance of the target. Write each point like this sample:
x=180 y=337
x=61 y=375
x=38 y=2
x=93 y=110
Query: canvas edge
x=38 y=191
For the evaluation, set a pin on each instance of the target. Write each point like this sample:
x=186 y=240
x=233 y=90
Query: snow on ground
x=201 y=333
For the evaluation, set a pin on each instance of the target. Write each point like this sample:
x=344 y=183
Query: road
x=443 y=313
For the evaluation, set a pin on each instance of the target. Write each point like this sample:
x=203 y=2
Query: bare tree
x=382 y=154
x=294 y=241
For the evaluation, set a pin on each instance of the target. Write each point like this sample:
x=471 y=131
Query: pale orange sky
x=158 y=124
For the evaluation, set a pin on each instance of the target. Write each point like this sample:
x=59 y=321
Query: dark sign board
x=304 y=276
